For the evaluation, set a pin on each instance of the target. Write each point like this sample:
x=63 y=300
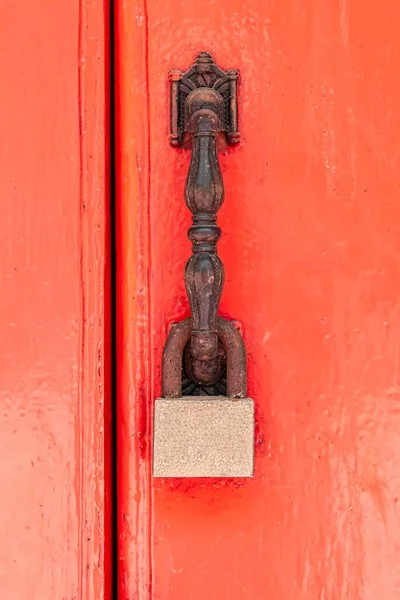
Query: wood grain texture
x=310 y=244
x=132 y=293
x=55 y=289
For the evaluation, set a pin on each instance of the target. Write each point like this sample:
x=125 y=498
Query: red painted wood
x=54 y=326
x=310 y=244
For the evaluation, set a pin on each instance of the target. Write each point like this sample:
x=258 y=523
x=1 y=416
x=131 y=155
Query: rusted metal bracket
x=204 y=74
x=235 y=353
x=204 y=115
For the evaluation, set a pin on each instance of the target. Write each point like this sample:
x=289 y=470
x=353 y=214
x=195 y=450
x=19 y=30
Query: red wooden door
x=310 y=244
x=54 y=302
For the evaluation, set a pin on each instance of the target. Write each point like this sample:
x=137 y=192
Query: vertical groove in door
x=113 y=357
x=132 y=358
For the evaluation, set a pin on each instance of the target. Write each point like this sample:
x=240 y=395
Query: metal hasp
x=208 y=435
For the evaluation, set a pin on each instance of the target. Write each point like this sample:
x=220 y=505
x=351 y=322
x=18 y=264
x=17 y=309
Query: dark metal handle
x=204 y=194
x=203 y=109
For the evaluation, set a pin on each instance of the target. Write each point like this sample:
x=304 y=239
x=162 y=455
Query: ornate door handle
x=203 y=114
x=204 y=423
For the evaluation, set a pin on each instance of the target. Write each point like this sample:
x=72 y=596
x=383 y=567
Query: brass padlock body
x=207 y=436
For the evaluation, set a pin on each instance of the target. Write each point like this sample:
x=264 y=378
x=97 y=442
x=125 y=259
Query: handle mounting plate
x=204 y=73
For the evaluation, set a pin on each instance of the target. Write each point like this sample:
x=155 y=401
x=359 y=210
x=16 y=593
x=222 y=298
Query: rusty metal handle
x=204 y=423
x=204 y=109
x=204 y=194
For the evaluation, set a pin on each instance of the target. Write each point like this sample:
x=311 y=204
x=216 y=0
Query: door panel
x=310 y=246
x=54 y=325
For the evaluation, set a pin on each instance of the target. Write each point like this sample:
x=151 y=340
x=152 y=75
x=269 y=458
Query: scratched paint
x=54 y=529
x=310 y=245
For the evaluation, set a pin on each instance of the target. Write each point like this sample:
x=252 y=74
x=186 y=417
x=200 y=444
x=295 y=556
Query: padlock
x=204 y=436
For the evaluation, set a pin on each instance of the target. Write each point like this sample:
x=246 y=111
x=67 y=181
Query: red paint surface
x=54 y=323
x=311 y=248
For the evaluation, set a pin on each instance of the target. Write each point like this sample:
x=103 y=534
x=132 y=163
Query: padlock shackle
x=235 y=358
